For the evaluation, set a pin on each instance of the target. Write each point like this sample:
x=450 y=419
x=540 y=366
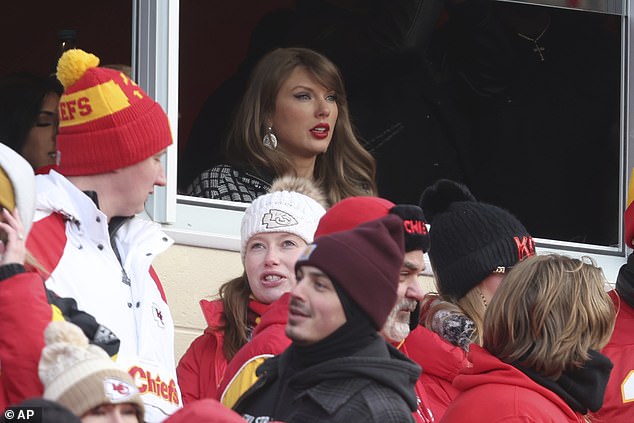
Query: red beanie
x=207 y=410
x=373 y=254
x=106 y=121
x=352 y=211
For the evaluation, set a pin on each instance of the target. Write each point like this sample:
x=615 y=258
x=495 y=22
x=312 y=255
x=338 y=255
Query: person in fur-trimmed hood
x=275 y=228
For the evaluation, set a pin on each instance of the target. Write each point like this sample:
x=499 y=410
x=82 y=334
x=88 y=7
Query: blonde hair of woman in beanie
x=472 y=245
x=274 y=231
x=83 y=378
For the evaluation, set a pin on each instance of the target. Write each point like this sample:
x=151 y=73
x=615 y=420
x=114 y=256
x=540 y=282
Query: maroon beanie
x=370 y=255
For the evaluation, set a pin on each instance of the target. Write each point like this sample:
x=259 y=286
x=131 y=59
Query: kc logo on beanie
x=106 y=120
x=353 y=211
x=470 y=239
x=292 y=210
x=81 y=376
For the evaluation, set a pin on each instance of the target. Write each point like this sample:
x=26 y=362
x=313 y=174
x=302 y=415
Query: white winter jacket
x=70 y=238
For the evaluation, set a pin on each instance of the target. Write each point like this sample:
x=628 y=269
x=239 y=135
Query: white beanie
x=81 y=376
x=293 y=206
x=20 y=174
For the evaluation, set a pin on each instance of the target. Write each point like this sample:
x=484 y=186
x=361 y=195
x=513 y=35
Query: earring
x=270 y=140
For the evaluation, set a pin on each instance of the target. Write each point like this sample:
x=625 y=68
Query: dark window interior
x=443 y=95
x=30 y=29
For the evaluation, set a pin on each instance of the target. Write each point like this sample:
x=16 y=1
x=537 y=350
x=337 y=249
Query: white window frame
x=216 y=224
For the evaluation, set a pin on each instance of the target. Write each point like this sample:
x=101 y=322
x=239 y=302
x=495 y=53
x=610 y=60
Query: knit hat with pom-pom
x=81 y=376
x=293 y=205
x=106 y=121
x=470 y=239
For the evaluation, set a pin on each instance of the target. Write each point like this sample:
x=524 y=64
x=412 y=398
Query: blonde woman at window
x=293 y=120
x=275 y=229
x=539 y=360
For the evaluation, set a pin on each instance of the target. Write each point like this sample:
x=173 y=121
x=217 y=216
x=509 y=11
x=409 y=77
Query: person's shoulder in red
x=494 y=391
x=25 y=312
x=441 y=362
x=201 y=368
x=206 y=410
x=618 y=404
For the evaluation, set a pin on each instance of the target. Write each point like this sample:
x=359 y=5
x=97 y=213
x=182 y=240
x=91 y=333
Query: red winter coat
x=493 y=391
x=441 y=362
x=201 y=368
x=24 y=314
x=206 y=410
x=273 y=342
x=618 y=403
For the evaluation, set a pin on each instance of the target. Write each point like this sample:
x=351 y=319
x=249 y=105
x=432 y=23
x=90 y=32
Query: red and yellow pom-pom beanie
x=106 y=120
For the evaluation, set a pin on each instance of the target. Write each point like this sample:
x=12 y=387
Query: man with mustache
x=338 y=368
x=346 y=215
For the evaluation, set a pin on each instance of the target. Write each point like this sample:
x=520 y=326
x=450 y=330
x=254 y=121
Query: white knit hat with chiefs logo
x=294 y=205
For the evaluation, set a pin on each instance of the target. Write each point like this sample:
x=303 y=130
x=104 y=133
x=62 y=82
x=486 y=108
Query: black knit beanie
x=469 y=239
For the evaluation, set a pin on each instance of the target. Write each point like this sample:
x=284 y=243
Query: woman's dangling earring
x=270 y=140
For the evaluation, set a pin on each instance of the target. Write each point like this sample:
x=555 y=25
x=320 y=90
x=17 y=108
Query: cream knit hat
x=81 y=376
x=293 y=205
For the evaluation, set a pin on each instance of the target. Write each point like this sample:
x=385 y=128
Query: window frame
x=215 y=224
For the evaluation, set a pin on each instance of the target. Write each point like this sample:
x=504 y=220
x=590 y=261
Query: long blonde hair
x=550 y=310
x=346 y=169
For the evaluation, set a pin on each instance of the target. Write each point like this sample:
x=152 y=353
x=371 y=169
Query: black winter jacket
x=376 y=384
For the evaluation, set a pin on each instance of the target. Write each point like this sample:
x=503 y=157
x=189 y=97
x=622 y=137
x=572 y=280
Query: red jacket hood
x=487 y=369
x=212 y=310
x=205 y=411
x=436 y=356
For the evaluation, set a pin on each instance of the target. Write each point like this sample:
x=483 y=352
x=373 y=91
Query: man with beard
x=338 y=369
x=346 y=215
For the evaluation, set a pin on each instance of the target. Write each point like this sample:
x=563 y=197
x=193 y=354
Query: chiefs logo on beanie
x=106 y=120
x=353 y=211
x=470 y=239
